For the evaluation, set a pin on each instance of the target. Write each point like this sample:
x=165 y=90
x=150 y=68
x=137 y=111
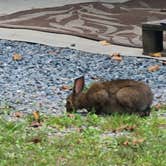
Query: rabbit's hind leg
x=131 y=100
x=145 y=112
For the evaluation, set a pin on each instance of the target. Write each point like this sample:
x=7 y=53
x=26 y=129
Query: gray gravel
x=34 y=83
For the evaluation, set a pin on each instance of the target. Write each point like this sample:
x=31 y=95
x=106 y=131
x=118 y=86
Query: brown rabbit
x=122 y=96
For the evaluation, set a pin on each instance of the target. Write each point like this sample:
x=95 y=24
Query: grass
x=75 y=140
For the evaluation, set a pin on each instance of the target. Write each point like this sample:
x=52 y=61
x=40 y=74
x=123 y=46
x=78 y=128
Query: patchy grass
x=73 y=140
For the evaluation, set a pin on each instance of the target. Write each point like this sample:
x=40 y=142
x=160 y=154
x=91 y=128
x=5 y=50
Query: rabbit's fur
x=122 y=96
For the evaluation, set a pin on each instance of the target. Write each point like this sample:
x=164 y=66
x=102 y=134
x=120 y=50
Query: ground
x=41 y=138
x=73 y=139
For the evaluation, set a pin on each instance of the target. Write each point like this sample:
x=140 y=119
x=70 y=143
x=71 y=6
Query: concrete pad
x=60 y=40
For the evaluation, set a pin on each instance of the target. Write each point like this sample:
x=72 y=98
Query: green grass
x=75 y=140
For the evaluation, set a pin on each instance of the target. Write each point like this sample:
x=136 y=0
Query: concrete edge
x=61 y=40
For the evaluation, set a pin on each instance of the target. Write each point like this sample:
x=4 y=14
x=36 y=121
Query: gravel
x=41 y=80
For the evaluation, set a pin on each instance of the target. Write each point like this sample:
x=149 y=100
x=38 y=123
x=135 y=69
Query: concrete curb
x=60 y=40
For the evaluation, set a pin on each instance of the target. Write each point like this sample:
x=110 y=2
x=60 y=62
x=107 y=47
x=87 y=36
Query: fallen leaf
x=153 y=68
x=35 y=124
x=104 y=42
x=137 y=141
x=79 y=129
x=116 y=56
x=134 y=141
x=71 y=115
x=130 y=128
x=18 y=114
x=65 y=87
x=124 y=127
x=156 y=54
x=17 y=57
x=126 y=143
x=36 y=140
x=157 y=106
x=36 y=116
x=119 y=129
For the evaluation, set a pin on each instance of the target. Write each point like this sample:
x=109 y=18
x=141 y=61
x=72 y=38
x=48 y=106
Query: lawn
x=77 y=140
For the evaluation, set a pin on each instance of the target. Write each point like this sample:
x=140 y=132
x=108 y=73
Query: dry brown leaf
x=116 y=56
x=138 y=141
x=104 y=43
x=18 y=114
x=17 y=57
x=79 y=129
x=36 y=116
x=130 y=128
x=71 y=115
x=135 y=141
x=157 y=106
x=126 y=143
x=156 y=54
x=153 y=68
x=121 y=128
x=35 y=124
x=124 y=127
x=36 y=140
x=65 y=87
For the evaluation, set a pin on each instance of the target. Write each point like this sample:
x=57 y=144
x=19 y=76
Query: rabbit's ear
x=78 y=85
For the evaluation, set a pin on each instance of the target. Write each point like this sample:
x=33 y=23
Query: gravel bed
x=39 y=80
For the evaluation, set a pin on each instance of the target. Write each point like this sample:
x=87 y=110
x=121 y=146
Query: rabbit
x=108 y=97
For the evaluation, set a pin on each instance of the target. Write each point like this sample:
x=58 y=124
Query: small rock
x=65 y=87
x=73 y=45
